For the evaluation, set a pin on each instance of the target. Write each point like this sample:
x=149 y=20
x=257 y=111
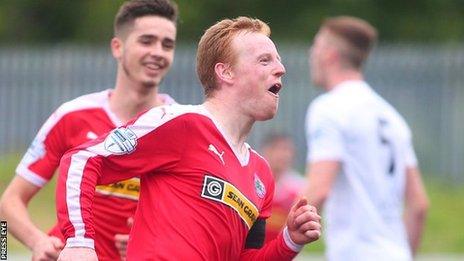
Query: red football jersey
x=198 y=198
x=73 y=123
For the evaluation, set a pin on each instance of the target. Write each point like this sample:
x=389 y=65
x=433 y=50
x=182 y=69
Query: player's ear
x=116 y=47
x=224 y=72
x=333 y=55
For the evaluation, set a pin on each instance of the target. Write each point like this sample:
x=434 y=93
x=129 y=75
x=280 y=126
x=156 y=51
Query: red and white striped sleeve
x=280 y=248
x=153 y=141
x=43 y=155
x=54 y=138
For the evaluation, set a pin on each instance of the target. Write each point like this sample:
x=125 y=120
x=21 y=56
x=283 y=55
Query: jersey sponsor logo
x=216 y=151
x=121 y=141
x=226 y=193
x=91 y=135
x=129 y=189
x=259 y=187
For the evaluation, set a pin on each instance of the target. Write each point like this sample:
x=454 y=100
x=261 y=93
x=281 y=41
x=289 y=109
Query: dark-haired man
x=143 y=45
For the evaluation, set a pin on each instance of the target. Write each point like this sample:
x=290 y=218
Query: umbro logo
x=215 y=151
x=164 y=112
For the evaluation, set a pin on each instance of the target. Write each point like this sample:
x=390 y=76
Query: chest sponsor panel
x=128 y=189
x=222 y=191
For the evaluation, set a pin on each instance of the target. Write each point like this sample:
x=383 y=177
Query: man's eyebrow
x=169 y=39
x=269 y=55
x=147 y=36
x=263 y=55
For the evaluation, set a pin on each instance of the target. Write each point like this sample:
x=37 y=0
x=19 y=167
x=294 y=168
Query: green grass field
x=444 y=231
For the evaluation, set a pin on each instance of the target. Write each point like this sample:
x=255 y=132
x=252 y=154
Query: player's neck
x=127 y=102
x=343 y=76
x=235 y=125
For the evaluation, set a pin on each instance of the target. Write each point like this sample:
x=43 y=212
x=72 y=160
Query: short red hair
x=215 y=47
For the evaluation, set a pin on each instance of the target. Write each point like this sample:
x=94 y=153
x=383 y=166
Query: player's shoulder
x=401 y=125
x=322 y=101
x=325 y=106
x=326 y=103
x=263 y=178
x=166 y=99
x=88 y=101
x=71 y=110
x=261 y=162
x=343 y=101
x=173 y=114
x=174 y=110
x=254 y=153
x=392 y=114
x=343 y=95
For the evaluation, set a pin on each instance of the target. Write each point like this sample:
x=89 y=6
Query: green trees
x=90 y=21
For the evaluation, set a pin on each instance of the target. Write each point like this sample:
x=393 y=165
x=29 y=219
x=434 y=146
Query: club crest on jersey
x=259 y=187
x=121 y=141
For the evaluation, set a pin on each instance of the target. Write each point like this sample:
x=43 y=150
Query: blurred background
x=52 y=51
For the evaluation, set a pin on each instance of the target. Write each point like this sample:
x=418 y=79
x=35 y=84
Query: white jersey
x=355 y=126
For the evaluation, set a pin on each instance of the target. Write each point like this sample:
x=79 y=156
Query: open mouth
x=275 y=88
x=153 y=66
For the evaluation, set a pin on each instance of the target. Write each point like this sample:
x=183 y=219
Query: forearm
x=320 y=175
x=276 y=249
x=415 y=221
x=416 y=207
x=316 y=199
x=20 y=225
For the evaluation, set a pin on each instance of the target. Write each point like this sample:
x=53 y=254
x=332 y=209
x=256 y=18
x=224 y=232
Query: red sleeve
x=43 y=155
x=153 y=142
x=275 y=249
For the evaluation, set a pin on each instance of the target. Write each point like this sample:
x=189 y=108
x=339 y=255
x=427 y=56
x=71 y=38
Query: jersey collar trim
x=351 y=84
x=106 y=107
